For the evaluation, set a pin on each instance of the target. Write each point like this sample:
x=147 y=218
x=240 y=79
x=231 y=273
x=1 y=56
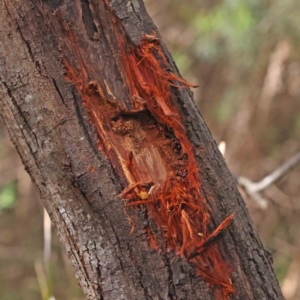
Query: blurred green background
x=244 y=54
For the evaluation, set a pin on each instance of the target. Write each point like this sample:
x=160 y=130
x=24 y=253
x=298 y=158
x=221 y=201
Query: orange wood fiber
x=175 y=204
x=177 y=207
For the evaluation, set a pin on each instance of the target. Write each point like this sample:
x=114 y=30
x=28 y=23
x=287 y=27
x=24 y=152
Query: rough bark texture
x=55 y=56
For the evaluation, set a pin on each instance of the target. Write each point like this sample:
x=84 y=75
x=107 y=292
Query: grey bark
x=58 y=146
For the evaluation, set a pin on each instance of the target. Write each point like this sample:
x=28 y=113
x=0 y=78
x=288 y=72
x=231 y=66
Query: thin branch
x=277 y=174
x=47 y=240
x=254 y=189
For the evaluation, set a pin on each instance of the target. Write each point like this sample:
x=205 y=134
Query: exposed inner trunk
x=147 y=144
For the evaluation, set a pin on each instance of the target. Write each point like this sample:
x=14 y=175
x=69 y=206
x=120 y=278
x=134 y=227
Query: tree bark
x=94 y=105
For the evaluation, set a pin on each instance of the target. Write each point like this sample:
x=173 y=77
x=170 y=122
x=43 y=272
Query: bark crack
x=33 y=146
x=132 y=4
x=25 y=42
x=58 y=91
x=171 y=286
x=99 y=279
x=88 y=20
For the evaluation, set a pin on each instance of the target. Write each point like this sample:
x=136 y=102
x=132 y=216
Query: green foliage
x=8 y=195
x=228 y=105
x=224 y=29
x=182 y=60
x=237 y=30
x=281 y=266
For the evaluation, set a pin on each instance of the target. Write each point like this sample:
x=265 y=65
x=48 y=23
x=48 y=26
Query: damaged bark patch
x=176 y=205
x=148 y=145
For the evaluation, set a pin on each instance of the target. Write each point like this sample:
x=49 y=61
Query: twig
x=254 y=189
x=47 y=240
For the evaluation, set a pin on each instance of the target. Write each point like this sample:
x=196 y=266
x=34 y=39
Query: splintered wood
x=176 y=207
x=146 y=142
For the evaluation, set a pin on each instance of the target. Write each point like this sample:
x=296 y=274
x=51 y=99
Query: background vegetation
x=244 y=54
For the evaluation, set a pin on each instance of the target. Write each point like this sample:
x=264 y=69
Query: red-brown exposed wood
x=149 y=144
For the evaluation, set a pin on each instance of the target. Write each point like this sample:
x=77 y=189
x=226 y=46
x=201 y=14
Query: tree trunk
x=134 y=184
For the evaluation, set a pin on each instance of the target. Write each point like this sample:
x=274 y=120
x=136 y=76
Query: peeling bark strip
x=147 y=144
